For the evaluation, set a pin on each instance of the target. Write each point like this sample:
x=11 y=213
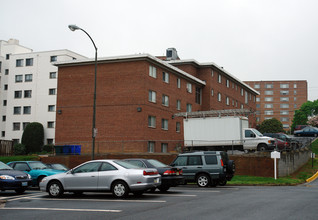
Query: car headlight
x=29 y=176
x=6 y=177
x=44 y=179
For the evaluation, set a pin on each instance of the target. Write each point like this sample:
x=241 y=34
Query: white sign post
x=275 y=155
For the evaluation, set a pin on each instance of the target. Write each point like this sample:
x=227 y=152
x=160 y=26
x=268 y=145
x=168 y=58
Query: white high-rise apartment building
x=28 y=88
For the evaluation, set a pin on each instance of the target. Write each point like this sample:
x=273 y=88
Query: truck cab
x=253 y=137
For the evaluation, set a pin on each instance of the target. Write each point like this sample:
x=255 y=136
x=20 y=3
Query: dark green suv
x=206 y=168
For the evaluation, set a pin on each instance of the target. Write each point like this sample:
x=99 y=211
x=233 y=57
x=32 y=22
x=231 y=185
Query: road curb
x=312 y=178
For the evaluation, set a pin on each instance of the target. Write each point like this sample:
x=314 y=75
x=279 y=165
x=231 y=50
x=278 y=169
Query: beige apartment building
x=279 y=99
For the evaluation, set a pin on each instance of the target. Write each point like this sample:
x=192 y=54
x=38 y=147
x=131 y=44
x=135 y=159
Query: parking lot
x=186 y=202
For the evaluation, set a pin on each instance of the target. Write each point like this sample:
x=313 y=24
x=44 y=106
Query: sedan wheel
x=120 y=189
x=55 y=189
x=203 y=180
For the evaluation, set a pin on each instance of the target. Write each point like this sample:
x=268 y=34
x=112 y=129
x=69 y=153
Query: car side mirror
x=253 y=135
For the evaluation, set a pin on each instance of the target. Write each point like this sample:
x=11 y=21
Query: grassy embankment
x=308 y=170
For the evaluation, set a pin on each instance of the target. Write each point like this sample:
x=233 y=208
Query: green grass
x=16 y=158
x=256 y=180
x=314 y=147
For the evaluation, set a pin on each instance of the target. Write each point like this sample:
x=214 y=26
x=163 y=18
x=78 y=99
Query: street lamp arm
x=73 y=27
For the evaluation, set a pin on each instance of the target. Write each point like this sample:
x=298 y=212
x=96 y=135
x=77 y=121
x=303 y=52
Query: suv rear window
x=211 y=159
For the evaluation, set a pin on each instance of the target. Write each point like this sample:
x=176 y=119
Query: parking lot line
x=172 y=195
x=98 y=200
x=58 y=209
x=24 y=196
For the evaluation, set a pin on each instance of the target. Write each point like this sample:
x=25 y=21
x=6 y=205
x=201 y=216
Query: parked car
x=293 y=142
x=282 y=145
x=36 y=169
x=299 y=127
x=116 y=176
x=206 y=168
x=11 y=179
x=57 y=166
x=170 y=176
x=307 y=131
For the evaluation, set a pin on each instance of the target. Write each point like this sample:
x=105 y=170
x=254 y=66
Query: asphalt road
x=186 y=202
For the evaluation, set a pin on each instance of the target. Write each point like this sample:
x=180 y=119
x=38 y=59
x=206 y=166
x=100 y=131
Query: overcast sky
x=252 y=39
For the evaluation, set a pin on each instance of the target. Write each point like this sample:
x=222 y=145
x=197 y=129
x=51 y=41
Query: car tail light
x=149 y=173
x=180 y=172
x=170 y=172
x=222 y=164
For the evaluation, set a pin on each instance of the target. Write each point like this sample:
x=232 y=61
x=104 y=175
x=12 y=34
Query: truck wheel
x=262 y=147
x=203 y=180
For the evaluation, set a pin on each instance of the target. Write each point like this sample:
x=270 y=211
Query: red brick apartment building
x=137 y=97
x=279 y=99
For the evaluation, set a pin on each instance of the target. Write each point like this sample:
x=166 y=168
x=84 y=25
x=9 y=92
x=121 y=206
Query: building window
x=295 y=85
x=5 y=102
x=295 y=92
x=269 y=86
x=151 y=121
x=284 y=86
x=268 y=112
x=164 y=147
x=189 y=108
x=152 y=96
x=50 y=124
x=28 y=78
x=3 y=133
x=284 y=119
x=258 y=99
x=268 y=99
x=212 y=73
x=51 y=108
x=178 y=127
x=284 y=105
x=17 y=110
x=16 y=126
x=19 y=62
x=284 y=99
x=151 y=147
x=269 y=92
x=285 y=125
x=268 y=105
x=165 y=77
x=52 y=75
x=164 y=124
x=53 y=58
x=49 y=141
x=24 y=124
x=284 y=112
x=257 y=86
x=219 y=78
x=242 y=92
x=227 y=101
x=189 y=87
x=179 y=83
x=212 y=92
x=6 y=72
x=7 y=56
x=242 y=106
x=165 y=100
x=227 y=83
x=52 y=91
x=258 y=105
x=295 y=105
x=18 y=78
x=179 y=105
x=152 y=71
x=198 y=95
x=26 y=110
x=246 y=97
x=29 y=62
x=284 y=92
x=219 y=97
x=4 y=118
x=18 y=94
x=6 y=87
x=27 y=93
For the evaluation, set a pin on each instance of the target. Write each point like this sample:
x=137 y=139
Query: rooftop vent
x=172 y=54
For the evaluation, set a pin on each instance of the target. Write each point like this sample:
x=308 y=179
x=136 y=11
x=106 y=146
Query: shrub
x=19 y=149
x=48 y=148
x=33 y=137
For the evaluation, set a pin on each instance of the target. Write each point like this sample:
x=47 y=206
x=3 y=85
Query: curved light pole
x=73 y=27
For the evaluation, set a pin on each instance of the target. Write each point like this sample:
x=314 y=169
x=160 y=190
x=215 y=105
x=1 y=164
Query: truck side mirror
x=253 y=135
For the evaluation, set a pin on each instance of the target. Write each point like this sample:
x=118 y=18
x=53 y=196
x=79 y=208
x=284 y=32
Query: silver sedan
x=116 y=176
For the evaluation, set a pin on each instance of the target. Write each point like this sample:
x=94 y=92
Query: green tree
x=33 y=137
x=301 y=115
x=271 y=126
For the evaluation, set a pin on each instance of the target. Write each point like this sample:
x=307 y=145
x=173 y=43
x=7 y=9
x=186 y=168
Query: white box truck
x=224 y=133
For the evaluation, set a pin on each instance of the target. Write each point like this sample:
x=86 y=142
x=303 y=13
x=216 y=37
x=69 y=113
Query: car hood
x=12 y=173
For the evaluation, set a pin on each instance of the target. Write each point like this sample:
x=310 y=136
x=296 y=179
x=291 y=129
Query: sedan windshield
x=126 y=165
x=157 y=163
x=4 y=166
x=37 y=165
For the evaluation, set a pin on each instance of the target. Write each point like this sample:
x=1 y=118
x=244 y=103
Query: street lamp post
x=94 y=130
